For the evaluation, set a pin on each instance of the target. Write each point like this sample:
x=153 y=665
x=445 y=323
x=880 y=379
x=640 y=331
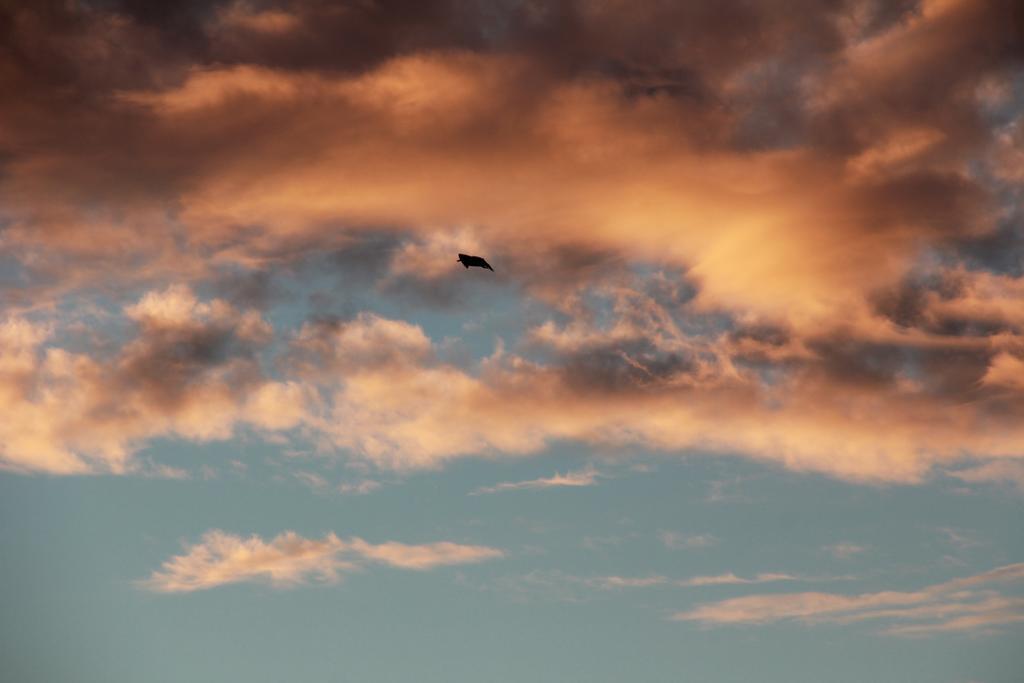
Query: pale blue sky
x=74 y=548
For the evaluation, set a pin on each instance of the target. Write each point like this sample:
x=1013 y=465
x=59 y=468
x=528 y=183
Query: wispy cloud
x=601 y=542
x=311 y=479
x=162 y=471
x=725 y=491
x=959 y=538
x=674 y=540
x=319 y=484
x=358 y=488
x=289 y=559
x=609 y=582
x=726 y=579
x=730 y=579
x=585 y=477
x=994 y=472
x=971 y=603
x=844 y=550
x=574 y=588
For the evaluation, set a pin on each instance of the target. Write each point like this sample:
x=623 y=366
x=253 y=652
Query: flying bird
x=478 y=261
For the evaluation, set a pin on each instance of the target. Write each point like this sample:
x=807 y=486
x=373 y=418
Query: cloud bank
x=790 y=232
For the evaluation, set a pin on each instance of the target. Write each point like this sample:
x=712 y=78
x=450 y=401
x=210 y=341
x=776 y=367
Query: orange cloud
x=288 y=559
x=378 y=389
x=970 y=604
x=809 y=177
x=414 y=411
x=585 y=477
x=190 y=372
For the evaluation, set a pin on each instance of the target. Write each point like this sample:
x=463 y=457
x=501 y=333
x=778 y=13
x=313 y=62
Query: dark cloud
x=623 y=368
x=851 y=363
x=904 y=305
x=946 y=203
x=1001 y=250
x=250 y=289
x=350 y=36
x=164 y=367
x=182 y=345
x=365 y=257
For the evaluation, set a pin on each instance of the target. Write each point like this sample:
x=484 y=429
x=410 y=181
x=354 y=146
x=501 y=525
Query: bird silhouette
x=466 y=260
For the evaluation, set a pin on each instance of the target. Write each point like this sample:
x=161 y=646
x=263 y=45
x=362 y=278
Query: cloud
x=239 y=16
x=997 y=471
x=727 y=579
x=959 y=538
x=221 y=558
x=312 y=480
x=414 y=411
x=361 y=345
x=584 y=477
x=423 y=556
x=380 y=389
x=190 y=371
x=359 y=488
x=798 y=249
x=844 y=550
x=969 y=604
x=611 y=582
x=288 y=559
x=551 y=114
x=575 y=588
x=731 y=579
x=673 y=540
x=161 y=471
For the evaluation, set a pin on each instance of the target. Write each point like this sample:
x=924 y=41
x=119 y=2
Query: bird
x=478 y=261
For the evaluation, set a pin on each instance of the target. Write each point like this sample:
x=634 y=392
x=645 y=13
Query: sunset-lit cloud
x=584 y=477
x=974 y=603
x=359 y=488
x=727 y=579
x=749 y=358
x=731 y=579
x=781 y=247
x=378 y=389
x=289 y=559
x=189 y=371
x=571 y=587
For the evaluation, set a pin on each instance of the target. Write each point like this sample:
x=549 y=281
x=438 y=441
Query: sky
x=742 y=400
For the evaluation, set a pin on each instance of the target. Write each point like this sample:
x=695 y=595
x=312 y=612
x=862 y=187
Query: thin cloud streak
x=970 y=604
x=727 y=579
x=730 y=579
x=585 y=477
x=844 y=550
x=360 y=488
x=673 y=540
x=575 y=588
